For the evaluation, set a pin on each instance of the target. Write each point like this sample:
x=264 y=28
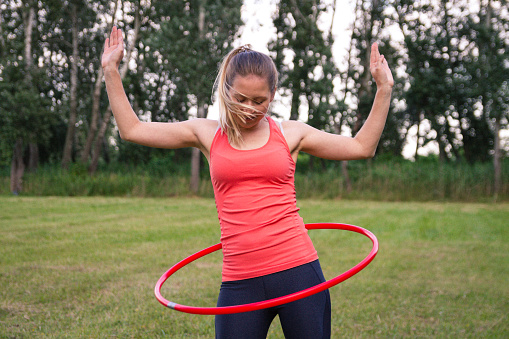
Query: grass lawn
x=86 y=268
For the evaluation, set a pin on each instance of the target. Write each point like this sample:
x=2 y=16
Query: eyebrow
x=238 y=95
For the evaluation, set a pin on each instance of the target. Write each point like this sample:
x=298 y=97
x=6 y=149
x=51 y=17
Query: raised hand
x=113 y=49
x=380 y=68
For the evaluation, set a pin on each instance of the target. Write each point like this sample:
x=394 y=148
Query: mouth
x=252 y=117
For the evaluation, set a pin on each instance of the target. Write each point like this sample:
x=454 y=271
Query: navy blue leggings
x=305 y=318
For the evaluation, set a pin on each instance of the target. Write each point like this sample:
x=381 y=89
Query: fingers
x=120 y=37
x=375 y=54
x=115 y=38
x=376 y=58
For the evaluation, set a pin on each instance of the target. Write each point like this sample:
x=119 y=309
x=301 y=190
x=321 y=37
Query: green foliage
x=387 y=178
x=184 y=52
x=38 y=98
x=390 y=178
x=451 y=69
x=308 y=76
x=457 y=66
x=53 y=181
x=26 y=112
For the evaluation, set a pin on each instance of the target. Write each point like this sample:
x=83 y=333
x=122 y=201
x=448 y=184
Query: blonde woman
x=267 y=252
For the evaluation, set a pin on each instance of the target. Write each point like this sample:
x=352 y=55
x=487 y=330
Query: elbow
x=128 y=133
x=371 y=154
x=366 y=150
x=126 y=136
x=367 y=153
x=367 y=156
x=123 y=136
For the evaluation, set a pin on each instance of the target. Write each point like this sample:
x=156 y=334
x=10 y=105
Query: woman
x=266 y=249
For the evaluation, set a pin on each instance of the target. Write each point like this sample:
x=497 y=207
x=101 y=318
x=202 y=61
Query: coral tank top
x=261 y=229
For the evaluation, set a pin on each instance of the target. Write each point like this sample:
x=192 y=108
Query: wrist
x=110 y=69
x=386 y=88
x=110 y=72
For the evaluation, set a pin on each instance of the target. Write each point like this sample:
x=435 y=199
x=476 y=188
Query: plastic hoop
x=271 y=302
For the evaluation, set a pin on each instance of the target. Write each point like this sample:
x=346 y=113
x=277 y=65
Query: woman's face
x=251 y=90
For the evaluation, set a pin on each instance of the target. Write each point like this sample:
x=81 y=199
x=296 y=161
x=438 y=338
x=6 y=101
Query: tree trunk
x=497 y=156
x=96 y=101
x=294 y=110
x=17 y=167
x=33 y=156
x=195 y=170
x=365 y=90
x=196 y=153
x=497 y=163
x=33 y=149
x=92 y=129
x=2 y=39
x=418 y=135
x=17 y=163
x=344 y=163
x=71 y=126
x=442 y=154
x=99 y=141
x=107 y=115
x=348 y=182
x=29 y=21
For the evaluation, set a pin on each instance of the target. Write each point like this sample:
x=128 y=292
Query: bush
x=394 y=180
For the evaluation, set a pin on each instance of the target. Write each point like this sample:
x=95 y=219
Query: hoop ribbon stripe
x=271 y=302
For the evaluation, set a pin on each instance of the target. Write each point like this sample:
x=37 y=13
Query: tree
x=71 y=126
x=450 y=66
x=371 y=24
x=304 y=59
x=368 y=26
x=488 y=30
x=192 y=39
x=26 y=117
x=136 y=11
x=70 y=32
x=96 y=100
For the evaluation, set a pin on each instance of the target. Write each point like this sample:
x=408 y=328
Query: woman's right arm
x=191 y=133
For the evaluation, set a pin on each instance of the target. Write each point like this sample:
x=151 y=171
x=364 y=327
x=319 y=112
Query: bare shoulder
x=294 y=132
x=204 y=130
x=292 y=123
x=203 y=124
x=294 y=127
x=201 y=127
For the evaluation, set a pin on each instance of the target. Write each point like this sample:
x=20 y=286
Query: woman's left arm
x=365 y=142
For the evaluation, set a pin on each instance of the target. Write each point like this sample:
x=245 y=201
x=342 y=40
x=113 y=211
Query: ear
x=273 y=94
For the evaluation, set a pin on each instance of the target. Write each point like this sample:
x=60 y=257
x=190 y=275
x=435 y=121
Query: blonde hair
x=242 y=61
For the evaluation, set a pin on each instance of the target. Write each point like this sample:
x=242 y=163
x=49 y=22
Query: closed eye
x=256 y=102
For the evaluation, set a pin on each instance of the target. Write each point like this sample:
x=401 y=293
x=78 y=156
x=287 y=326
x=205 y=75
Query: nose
x=250 y=107
x=249 y=103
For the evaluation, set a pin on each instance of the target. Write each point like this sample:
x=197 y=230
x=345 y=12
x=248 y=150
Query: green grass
x=86 y=267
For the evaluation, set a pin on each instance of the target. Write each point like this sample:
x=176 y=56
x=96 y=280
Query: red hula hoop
x=271 y=302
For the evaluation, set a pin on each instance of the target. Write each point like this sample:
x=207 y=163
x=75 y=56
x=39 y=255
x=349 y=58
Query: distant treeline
x=450 y=60
x=380 y=179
